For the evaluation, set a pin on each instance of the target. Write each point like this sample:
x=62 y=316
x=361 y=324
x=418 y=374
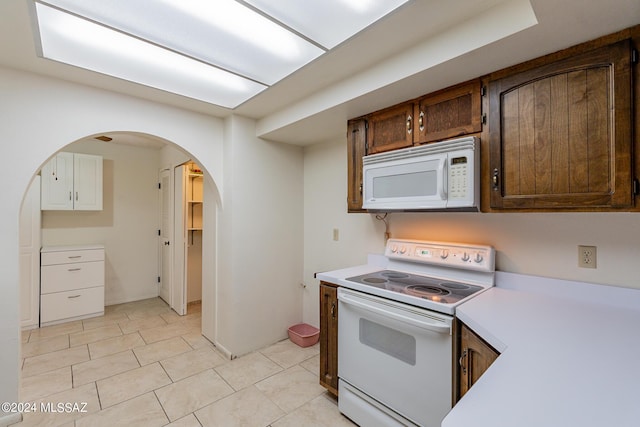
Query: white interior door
x=165 y=236
x=29 y=231
x=179 y=284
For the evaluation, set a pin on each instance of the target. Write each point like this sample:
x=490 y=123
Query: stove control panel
x=455 y=255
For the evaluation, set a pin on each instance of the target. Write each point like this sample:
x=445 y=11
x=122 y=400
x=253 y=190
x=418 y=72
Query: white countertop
x=570 y=355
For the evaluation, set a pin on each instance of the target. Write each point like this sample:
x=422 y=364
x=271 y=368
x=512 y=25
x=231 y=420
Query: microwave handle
x=442 y=183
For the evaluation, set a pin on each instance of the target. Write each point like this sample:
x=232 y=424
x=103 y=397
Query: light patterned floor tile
x=192 y=393
x=312 y=365
x=141 y=411
x=54 y=360
x=45 y=345
x=115 y=345
x=52 y=331
x=161 y=350
x=164 y=332
x=320 y=412
x=93 y=335
x=104 y=367
x=127 y=385
x=248 y=407
x=286 y=354
x=190 y=363
x=292 y=388
x=86 y=394
x=188 y=421
x=106 y=320
x=42 y=385
x=247 y=370
x=129 y=326
x=197 y=340
x=204 y=392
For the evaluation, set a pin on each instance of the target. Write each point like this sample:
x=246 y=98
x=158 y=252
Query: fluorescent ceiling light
x=328 y=22
x=72 y=40
x=219 y=51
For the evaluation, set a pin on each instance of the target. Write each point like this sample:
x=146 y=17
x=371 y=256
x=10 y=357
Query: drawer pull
x=75 y=256
x=73 y=296
x=74 y=269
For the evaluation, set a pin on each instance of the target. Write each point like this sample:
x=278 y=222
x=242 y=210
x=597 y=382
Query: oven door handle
x=436 y=327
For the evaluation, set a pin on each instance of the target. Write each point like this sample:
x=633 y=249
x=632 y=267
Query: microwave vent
x=434 y=148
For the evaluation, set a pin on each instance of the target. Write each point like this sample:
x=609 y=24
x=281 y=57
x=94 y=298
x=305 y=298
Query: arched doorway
x=128 y=222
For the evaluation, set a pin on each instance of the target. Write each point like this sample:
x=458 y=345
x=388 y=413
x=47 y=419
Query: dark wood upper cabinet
x=560 y=133
x=356 y=149
x=448 y=113
x=390 y=129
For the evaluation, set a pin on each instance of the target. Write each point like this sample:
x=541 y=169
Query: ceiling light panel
x=76 y=41
x=328 y=22
x=224 y=33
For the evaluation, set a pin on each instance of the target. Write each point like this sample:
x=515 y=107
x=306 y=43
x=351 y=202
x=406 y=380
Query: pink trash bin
x=304 y=335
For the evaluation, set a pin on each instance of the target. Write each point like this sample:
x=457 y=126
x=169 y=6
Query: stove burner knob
x=394 y=249
x=403 y=250
x=478 y=259
x=465 y=257
x=444 y=254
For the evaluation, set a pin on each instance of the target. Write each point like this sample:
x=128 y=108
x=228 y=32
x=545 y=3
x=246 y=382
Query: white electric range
x=395 y=329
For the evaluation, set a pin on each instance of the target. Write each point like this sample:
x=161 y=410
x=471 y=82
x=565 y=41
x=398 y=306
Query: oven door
x=399 y=357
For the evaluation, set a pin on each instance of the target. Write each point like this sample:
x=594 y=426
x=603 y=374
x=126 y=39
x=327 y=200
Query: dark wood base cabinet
x=329 y=337
x=474 y=358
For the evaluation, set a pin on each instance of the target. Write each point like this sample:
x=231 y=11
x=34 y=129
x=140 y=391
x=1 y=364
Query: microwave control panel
x=458 y=177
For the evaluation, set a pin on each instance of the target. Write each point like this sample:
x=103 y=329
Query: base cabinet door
x=329 y=337
x=475 y=358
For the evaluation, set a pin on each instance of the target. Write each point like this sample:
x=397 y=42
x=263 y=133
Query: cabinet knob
x=421 y=121
x=495 y=178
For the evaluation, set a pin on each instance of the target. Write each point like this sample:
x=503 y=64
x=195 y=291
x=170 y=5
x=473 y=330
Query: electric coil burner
x=445 y=292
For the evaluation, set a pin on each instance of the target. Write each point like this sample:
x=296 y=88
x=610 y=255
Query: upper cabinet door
x=356 y=149
x=390 y=129
x=72 y=181
x=451 y=112
x=560 y=134
x=87 y=182
x=57 y=183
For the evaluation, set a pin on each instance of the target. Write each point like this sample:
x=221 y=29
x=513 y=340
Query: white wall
x=39 y=116
x=261 y=238
x=127 y=224
x=542 y=244
x=325 y=208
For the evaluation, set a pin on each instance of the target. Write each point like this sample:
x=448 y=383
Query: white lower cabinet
x=72 y=283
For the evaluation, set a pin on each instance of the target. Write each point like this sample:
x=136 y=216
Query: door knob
x=166 y=243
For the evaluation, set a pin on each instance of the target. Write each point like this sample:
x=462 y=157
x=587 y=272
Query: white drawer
x=65 y=305
x=65 y=257
x=66 y=277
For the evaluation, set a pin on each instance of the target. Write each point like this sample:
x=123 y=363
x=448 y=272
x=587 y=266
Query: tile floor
x=141 y=364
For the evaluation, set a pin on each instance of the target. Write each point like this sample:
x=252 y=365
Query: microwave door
x=416 y=183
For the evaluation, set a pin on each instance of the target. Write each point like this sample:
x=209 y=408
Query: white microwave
x=439 y=176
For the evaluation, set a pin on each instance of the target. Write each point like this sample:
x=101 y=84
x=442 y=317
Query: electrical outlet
x=587 y=256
